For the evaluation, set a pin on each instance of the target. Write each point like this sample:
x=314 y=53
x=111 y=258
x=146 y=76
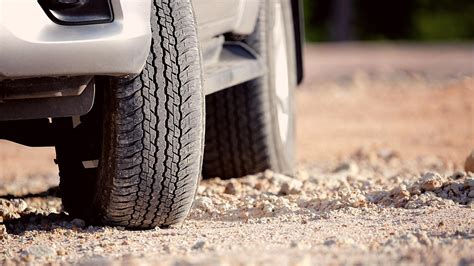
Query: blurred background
x=416 y=20
x=388 y=76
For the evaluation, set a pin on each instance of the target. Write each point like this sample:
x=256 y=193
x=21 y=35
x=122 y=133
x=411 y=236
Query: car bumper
x=31 y=45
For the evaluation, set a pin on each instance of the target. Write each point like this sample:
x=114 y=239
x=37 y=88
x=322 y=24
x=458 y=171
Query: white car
x=140 y=98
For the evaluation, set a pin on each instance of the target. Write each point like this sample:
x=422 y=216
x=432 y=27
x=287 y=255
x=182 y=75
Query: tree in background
x=343 y=20
x=391 y=20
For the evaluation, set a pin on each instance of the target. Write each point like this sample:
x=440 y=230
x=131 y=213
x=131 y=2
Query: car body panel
x=216 y=17
x=31 y=45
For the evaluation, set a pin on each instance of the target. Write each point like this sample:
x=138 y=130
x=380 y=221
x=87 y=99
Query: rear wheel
x=135 y=159
x=250 y=127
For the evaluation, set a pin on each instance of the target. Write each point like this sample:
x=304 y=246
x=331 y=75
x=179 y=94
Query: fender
x=298 y=24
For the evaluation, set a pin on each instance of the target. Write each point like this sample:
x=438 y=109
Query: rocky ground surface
x=371 y=207
x=404 y=197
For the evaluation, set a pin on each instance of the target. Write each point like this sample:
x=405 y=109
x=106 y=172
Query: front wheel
x=135 y=159
x=250 y=127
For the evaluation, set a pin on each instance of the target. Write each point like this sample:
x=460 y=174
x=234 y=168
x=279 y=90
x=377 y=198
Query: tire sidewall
x=284 y=151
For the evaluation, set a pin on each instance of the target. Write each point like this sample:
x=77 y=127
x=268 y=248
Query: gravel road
x=383 y=134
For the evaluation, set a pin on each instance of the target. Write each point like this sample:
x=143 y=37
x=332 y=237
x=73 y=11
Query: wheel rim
x=282 y=86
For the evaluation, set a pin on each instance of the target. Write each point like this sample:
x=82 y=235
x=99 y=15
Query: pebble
x=19 y=204
x=423 y=238
x=7 y=211
x=268 y=208
x=61 y=252
x=431 y=181
x=340 y=241
x=408 y=240
x=347 y=167
x=168 y=248
x=204 y=203
x=471 y=194
x=277 y=178
x=5 y=206
x=400 y=195
x=330 y=242
x=231 y=188
x=199 y=245
x=469 y=182
x=296 y=244
x=3 y=231
x=388 y=154
x=291 y=187
x=38 y=251
x=79 y=223
x=458 y=175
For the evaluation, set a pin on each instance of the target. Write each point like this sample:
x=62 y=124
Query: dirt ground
x=383 y=132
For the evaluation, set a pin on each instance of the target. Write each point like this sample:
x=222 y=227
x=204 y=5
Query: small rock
x=259 y=185
x=5 y=203
x=61 y=252
x=168 y=248
x=3 y=231
x=7 y=211
x=98 y=249
x=345 y=241
x=349 y=167
x=400 y=191
x=458 y=175
x=204 y=203
x=268 y=208
x=469 y=182
x=297 y=244
x=469 y=164
x=424 y=239
x=387 y=154
x=471 y=194
x=79 y=223
x=30 y=210
x=409 y=240
x=431 y=181
x=19 y=204
x=201 y=190
x=5 y=207
x=330 y=242
x=291 y=187
x=277 y=178
x=231 y=188
x=38 y=251
x=199 y=245
x=268 y=174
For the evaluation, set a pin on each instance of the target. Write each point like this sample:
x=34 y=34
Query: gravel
x=367 y=208
x=342 y=188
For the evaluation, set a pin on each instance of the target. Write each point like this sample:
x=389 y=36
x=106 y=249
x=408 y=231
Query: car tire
x=135 y=159
x=250 y=127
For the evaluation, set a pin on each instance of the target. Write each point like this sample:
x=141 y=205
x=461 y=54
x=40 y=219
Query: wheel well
x=33 y=133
